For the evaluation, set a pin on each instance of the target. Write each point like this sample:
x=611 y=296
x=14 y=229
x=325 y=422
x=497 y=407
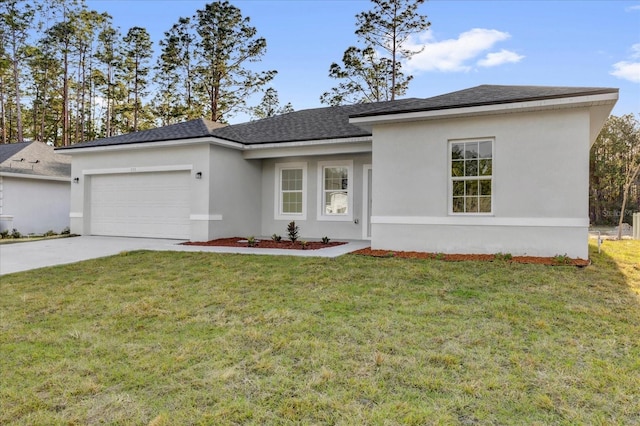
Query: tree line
x=614 y=172
x=68 y=74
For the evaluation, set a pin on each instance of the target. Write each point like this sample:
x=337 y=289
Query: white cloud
x=635 y=7
x=628 y=70
x=455 y=55
x=498 y=58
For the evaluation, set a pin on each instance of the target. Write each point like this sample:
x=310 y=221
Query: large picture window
x=291 y=190
x=471 y=176
x=335 y=183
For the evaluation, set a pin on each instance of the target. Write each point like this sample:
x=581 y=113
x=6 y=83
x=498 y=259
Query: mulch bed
x=478 y=257
x=315 y=245
x=283 y=244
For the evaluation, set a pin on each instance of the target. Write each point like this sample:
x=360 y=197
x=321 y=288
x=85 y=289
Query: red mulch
x=460 y=257
x=315 y=245
x=283 y=244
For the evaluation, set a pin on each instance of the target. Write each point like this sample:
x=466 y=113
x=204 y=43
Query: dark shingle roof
x=189 y=129
x=333 y=122
x=309 y=124
x=486 y=95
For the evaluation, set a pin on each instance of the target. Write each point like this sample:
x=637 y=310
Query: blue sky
x=554 y=43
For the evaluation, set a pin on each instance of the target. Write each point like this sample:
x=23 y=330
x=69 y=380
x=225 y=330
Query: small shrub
x=277 y=238
x=66 y=231
x=325 y=240
x=49 y=233
x=561 y=259
x=251 y=241
x=292 y=231
x=439 y=256
x=4 y=234
x=390 y=254
x=503 y=256
x=304 y=244
x=15 y=233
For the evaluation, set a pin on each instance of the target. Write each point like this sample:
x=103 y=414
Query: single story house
x=482 y=170
x=35 y=188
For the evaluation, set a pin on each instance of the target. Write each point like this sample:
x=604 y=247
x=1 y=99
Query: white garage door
x=152 y=205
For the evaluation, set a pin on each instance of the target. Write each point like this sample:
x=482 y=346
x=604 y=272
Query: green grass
x=195 y=338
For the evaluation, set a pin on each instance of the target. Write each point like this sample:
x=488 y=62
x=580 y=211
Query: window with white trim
x=291 y=191
x=335 y=190
x=471 y=176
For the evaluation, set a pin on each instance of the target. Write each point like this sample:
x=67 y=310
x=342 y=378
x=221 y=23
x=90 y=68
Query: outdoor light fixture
x=199 y=175
x=76 y=180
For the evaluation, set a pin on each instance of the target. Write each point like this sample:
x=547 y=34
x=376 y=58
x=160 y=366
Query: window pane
x=471 y=168
x=485 y=187
x=458 y=204
x=336 y=202
x=485 y=149
x=485 y=204
x=457 y=151
x=458 y=188
x=336 y=178
x=292 y=202
x=486 y=168
x=471 y=187
x=470 y=150
x=292 y=180
x=471 y=205
x=457 y=168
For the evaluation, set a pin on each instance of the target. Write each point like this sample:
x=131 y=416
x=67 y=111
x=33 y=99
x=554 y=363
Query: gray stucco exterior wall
x=540 y=185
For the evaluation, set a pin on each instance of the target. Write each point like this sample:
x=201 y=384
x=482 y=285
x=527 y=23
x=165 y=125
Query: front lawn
x=194 y=338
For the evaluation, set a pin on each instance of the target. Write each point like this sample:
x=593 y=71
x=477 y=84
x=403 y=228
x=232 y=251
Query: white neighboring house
x=34 y=188
x=482 y=170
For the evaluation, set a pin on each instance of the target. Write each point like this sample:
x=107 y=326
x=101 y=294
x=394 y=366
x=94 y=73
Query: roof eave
x=79 y=149
x=366 y=122
x=36 y=176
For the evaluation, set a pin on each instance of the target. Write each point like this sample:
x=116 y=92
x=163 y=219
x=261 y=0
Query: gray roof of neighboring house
x=33 y=158
x=8 y=150
x=333 y=122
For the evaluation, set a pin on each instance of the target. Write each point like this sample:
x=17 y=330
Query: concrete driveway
x=39 y=254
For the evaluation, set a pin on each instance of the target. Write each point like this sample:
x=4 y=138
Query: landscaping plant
x=292 y=231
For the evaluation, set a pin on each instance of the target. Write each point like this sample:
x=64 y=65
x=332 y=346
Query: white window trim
x=278 y=215
x=335 y=217
x=450 y=178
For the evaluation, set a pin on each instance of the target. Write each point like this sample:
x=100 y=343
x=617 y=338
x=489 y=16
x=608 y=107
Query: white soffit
x=504 y=108
x=316 y=147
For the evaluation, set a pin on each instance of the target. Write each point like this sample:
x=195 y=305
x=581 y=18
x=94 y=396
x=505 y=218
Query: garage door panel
x=141 y=205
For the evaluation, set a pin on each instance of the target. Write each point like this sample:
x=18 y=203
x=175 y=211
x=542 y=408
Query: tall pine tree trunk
x=16 y=82
x=65 y=100
x=3 y=119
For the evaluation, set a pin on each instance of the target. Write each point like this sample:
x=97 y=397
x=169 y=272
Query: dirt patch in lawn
x=287 y=245
x=555 y=261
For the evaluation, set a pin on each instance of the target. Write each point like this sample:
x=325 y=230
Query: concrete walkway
x=39 y=254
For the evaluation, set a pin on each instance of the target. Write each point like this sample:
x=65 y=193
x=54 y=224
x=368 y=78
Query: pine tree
x=270 y=105
x=16 y=19
x=226 y=43
x=373 y=72
x=137 y=53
